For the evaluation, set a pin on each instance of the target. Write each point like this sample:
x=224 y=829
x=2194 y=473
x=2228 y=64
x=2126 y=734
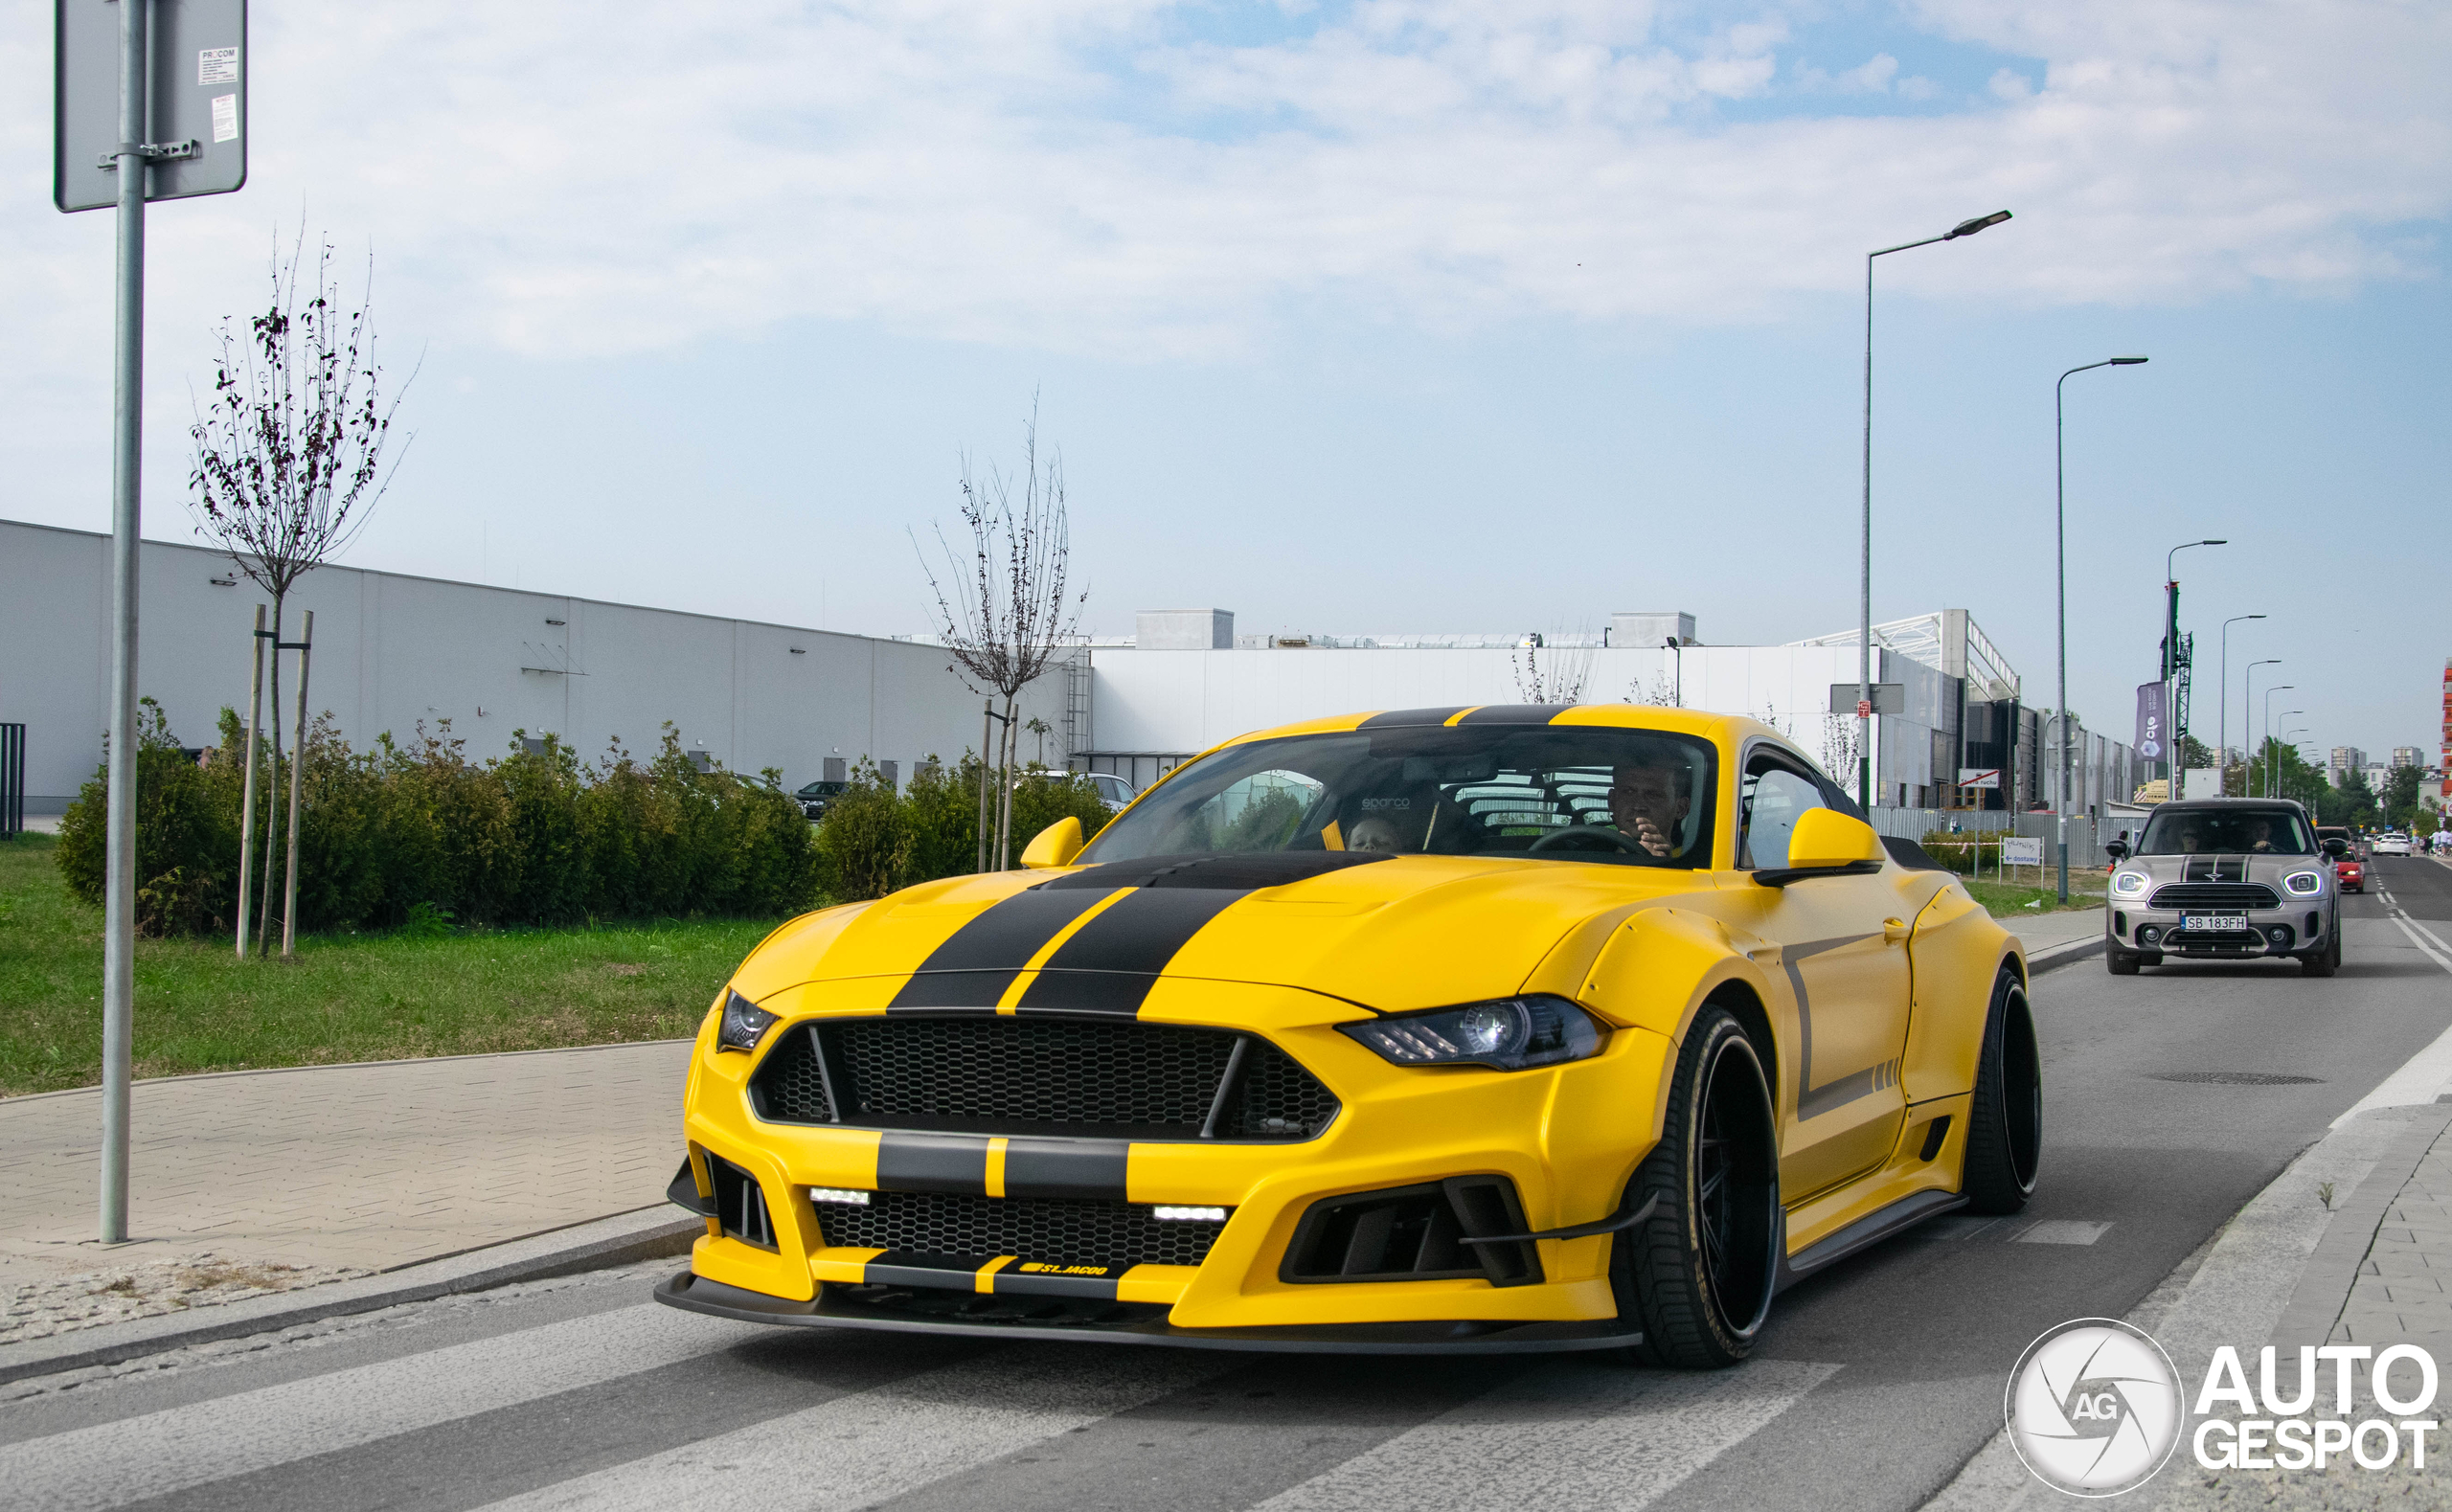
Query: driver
x=2259 y=833
x=1648 y=800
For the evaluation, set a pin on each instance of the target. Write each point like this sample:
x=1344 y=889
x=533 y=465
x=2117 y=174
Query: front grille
x=2214 y=896
x=1056 y=1230
x=989 y=1074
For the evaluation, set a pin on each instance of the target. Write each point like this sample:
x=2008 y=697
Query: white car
x=1113 y=791
x=2390 y=846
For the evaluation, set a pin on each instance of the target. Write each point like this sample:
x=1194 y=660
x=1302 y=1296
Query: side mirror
x=2117 y=849
x=1055 y=846
x=2335 y=845
x=1826 y=839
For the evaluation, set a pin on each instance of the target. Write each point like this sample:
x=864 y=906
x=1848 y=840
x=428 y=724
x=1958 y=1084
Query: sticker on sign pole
x=216 y=65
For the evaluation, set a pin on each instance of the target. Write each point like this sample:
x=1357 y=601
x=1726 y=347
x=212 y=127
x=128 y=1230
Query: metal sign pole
x=128 y=404
x=247 y=796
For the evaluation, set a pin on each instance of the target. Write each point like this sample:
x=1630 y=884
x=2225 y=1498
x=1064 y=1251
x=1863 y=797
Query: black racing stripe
x=1514 y=713
x=1090 y=1168
x=933 y=1162
x=1130 y=943
x=1242 y=872
x=917 y=1268
x=1413 y=716
x=1018 y=1278
x=991 y=950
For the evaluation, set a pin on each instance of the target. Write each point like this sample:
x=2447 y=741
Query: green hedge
x=874 y=840
x=420 y=831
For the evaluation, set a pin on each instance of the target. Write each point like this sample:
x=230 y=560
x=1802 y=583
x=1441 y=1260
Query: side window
x=1774 y=796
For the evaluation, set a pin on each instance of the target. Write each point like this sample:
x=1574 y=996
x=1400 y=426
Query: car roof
x=2217 y=804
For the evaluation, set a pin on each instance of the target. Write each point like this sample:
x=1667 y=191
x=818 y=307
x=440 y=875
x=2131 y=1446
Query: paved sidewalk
x=352 y=1167
x=2042 y=932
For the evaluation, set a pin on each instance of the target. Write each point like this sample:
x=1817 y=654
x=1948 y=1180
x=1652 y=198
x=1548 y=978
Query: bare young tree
x=289 y=446
x=1004 y=610
x=1551 y=674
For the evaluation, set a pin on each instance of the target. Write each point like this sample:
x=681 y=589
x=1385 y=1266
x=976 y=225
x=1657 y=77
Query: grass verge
x=2008 y=900
x=342 y=998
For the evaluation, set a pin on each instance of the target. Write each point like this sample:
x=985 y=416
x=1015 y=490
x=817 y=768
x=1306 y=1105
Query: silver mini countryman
x=2224 y=879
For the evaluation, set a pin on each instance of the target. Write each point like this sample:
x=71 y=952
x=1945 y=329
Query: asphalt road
x=1876 y=1381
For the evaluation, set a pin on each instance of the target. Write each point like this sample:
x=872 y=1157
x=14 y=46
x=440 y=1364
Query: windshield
x=1586 y=793
x=2227 y=831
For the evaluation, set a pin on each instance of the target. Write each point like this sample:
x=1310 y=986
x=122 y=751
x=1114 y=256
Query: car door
x=1842 y=951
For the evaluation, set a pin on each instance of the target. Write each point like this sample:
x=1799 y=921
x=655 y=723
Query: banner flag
x=2151 y=735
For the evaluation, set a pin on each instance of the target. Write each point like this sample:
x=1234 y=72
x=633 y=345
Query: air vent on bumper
x=1415 y=1233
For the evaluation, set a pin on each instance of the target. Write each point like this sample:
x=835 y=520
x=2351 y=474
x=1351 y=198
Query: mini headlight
x=2129 y=884
x=1508 y=1034
x=744 y=1023
x=2306 y=884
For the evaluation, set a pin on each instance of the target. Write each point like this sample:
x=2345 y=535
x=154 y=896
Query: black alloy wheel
x=1698 y=1275
x=2005 y=1126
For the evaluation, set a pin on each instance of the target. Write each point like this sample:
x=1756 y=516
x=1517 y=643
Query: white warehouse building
x=395 y=651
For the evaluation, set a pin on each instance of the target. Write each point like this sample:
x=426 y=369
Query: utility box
x=1645 y=627
x=1184 y=630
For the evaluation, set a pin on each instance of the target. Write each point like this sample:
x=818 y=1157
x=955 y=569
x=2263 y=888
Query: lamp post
x=2174 y=780
x=1677 y=648
x=2222 y=723
x=2247 y=712
x=2267 y=726
x=2060 y=558
x=1864 y=540
x=2273 y=763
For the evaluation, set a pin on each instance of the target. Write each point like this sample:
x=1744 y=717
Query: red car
x=2349 y=875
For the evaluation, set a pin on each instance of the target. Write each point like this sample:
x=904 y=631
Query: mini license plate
x=2218 y=923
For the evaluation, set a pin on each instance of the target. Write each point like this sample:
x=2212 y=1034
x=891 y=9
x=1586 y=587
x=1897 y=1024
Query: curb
x=2061 y=954
x=644 y=1234
x=2323 y=1288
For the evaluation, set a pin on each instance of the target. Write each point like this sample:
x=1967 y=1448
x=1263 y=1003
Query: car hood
x=1391 y=933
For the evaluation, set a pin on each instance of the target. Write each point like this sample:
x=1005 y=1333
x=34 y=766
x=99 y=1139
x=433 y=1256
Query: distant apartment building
x=2408 y=755
x=2346 y=758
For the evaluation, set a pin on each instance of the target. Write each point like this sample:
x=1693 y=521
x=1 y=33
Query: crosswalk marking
x=861 y=1449
x=1568 y=1435
x=181 y=1447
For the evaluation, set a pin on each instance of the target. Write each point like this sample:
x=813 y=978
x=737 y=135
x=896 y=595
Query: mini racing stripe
x=1110 y=964
x=1413 y=716
x=932 y=1162
x=1091 y=1168
x=974 y=966
x=1514 y=713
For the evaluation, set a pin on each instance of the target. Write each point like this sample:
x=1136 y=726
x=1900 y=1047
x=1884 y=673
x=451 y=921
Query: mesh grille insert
x=2214 y=896
x=991 y=1075
x=1053 y=1229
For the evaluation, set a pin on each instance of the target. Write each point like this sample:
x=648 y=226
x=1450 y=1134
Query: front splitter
x=697 y=1293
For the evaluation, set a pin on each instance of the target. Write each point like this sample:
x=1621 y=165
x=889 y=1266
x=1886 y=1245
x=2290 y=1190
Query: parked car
x=2225 y=879
x=1113 y=791
x=818 y=796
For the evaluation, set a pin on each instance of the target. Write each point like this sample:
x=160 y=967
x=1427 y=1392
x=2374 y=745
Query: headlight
x=2306 y=884
x=744 y=1023
x=1508 y=1034
x=2129 y=885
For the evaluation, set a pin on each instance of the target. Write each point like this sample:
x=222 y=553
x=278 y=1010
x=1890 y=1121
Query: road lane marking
x=2424 y=1075
x=183 y=1447
x=1567 y=1435
x=2061 y=1231
x=867 y=1447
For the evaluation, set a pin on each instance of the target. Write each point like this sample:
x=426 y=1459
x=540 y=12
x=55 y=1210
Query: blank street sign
x=199 y=75
x=1889 y=698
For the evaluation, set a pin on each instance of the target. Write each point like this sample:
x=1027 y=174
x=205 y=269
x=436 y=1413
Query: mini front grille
x=1056 y=1230
x=2214 y=896
x=989 y=1074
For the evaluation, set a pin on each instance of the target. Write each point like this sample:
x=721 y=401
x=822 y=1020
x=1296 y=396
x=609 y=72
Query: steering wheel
x=1617 y=839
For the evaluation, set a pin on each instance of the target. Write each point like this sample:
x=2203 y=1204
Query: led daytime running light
x=1506 y=1034
x=1189 y=1214
x=2306 y=884
x=2129 y=884
x=838 y=1194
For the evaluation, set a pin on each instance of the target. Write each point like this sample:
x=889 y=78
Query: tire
x=2326 y=962
x=2123 y=962
x=2005 y=1126
x=1697 y=1276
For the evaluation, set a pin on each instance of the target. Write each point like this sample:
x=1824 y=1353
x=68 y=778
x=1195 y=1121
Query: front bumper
x=2296 y=927
x=1106 y=1323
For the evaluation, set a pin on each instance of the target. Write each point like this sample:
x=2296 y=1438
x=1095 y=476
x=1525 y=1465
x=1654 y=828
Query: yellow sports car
x=1465 y=1031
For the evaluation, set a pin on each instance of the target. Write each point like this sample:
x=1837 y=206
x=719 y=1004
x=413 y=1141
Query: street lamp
x=2247 y=714
x=1865 y=543
x=1678 y=647
x=2060 y=554
x=2273 y=763
x=2267 y=727
x=2174 y=782
x=2222 y=724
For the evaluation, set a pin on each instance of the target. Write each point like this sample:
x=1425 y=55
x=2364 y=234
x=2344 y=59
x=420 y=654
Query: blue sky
x=1402 y=316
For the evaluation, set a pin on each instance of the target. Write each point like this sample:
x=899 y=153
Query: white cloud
x=566 y=177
